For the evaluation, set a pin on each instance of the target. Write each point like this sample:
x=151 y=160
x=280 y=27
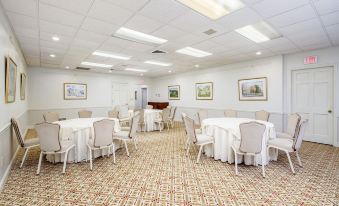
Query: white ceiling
x=87 y=25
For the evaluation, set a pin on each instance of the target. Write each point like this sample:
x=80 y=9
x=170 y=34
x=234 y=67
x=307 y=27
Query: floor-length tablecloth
x=150 y=116
x=224 y=129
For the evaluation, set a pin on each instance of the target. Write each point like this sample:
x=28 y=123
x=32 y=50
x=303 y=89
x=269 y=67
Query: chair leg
x=167 y=125
x=289 y=160
x=186 y=144
x=90 y=158
x=188 y=149
x=200 y=150
x=135 y=143
x=235 y=162
x=125 y=142
x=113 y=151
x=39 y=165
x=263 y=161
x=24 y=157
x=65 y=162
x=299 y=160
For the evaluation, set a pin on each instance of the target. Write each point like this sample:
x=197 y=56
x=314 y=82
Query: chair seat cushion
x=282 y=143
x=204 y=139
x=284 y=135
x=32 y=142
x=121 y=135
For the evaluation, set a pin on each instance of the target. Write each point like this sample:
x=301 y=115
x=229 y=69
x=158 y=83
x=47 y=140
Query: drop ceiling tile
x=232 y=40
x=250 y=2
x=59 y=16
x=169 y=32
x=32 y=61
x=108 y=12
x=309 y=38
x=294 y=16
x=326 y=6
x=78 y=6
x=20 y=20
x=27 y=7
x=330 y=19
x=309 y=26
x=57 y=29
x=188 y=39
x=132 y=5
x=279 y=45
x=54 y=45
x=269 y=8
x=31 y=51
x=64 y=40
x=20 y=31
x=100 y=27
x=85 y=44
x=316 y=46
x=163 y=10
x=91 y=37
x=143 y=24
x=333 y=32
x=239 y=18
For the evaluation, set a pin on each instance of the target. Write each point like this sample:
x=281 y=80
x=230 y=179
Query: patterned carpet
x=159 y=173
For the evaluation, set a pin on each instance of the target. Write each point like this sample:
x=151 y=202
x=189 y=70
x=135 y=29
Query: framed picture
x=254 y=89
x=75 y=91
x=22 y=86
x=174 y=92
x=204 y=91
x=10 y=84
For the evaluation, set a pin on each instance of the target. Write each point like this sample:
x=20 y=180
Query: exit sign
x=311 y=60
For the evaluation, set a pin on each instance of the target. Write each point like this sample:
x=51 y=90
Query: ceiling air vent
x=83 y=68
x=210 y=32
x=158 y=52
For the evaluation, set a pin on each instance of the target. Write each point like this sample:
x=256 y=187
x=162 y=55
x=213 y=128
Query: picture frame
x=22 y=86
x=174 y=92
x=253 y=89
x=204 y=91
x=75 y=91
x=10 y=82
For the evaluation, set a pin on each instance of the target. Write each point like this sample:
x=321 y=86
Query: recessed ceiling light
x=55 y=38
x=258 y=53
x=169 y=71
x=96 y=64
x=197 y=66
x=213 y=9
x=67 y=67
x=193 y=52
x=141 y=74
x=135 y=70
x=110 y=71
x=52 y=55
x=132 y=35
x=164 y=64
x=110 y=55
x=259 y=32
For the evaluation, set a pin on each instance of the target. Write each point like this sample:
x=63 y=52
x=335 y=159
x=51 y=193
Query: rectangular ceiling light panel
x=136 y=36
x=213 y=9
x=96 y=64
x=135 y=70
x=164 y=64
x=259 y=32
x=110 y=55
x=193 y=52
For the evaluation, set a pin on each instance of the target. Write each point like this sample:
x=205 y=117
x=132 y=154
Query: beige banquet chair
x=198 y=139
x=230 y=113
x=197 y=131
x=129 y=135
x=51 y=117
x=25 y=144
x=252 y=135
x=149 y=106
x=50 y=143
x=113 y=113
x=290 y=145
x=123 y=115
x=293 y=121
x=172 y=116
x=102 y=139
x=142 y=123
x=163 y=119
x=202 y=114
x=262 y=115
x=85 y=114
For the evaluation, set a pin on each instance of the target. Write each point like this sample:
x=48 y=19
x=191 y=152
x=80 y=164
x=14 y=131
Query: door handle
x=329 y=111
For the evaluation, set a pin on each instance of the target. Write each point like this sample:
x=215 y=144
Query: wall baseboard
x=8 y=170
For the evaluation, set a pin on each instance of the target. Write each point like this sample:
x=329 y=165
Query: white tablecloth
x=223 y=129
x=79 y=131
x=150 y=116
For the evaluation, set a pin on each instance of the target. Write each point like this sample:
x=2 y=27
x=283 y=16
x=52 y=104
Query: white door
x=120 y=93
x=312 y=98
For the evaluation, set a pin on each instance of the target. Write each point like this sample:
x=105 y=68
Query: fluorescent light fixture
x=52 y=55
x=258 y=53
x=169 y=71
x=136 y=36
x=110 y=55
x=213 y=9
x=96 y=64
x=55 y=38
x=67 y=67
x=193 y=52
x=135 y=70
x=164 y=64
x=197 y=66
x=259 y=32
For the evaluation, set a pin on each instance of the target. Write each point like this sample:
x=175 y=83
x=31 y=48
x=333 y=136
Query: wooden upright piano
x=158 y=105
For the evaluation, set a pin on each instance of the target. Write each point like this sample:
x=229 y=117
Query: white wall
x=8 y=144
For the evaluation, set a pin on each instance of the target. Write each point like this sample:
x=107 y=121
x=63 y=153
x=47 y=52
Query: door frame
x=335 y=68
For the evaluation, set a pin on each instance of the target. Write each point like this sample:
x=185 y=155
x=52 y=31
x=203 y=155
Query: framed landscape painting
x=174 y=92
x=75 y=91
x=254 y=89
x=204 y=91
x=10 y=84
x=22 y=86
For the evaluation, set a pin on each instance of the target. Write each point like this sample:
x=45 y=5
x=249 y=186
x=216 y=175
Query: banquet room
x=169 y=102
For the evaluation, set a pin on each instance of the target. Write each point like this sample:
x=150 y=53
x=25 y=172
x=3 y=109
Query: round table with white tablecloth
x=224 y=129
x=79 y=131
x=150 y=116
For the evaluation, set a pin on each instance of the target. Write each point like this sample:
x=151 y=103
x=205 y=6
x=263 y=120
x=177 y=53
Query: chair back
x=202 y=114
x=51 y=117
x=262 y=115
x=18 y=131
x=85 y=114
x=172 y=112
x=142 y=116
x=300 y=135
x=231 y=113
x=183 y=115
x=292 y=124
x=189 y=125
x=103 y=132
x=251 y=137
x=113 y=113
x=166 y=114
x=48 y=134
x=134 y=125
x=149 y=106
x=123 y=111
